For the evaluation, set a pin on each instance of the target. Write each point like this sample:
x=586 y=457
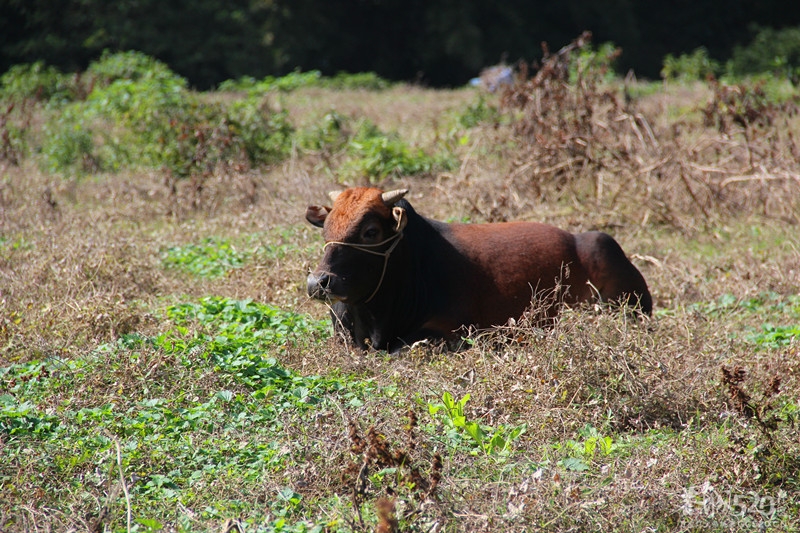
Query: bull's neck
x=400 y=305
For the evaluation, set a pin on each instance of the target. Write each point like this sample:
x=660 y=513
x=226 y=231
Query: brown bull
x=395 y=277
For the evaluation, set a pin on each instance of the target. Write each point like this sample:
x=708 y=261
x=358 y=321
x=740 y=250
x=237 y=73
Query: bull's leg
x=611 y=272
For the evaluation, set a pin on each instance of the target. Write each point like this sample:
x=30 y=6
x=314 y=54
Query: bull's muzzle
x=318 y=285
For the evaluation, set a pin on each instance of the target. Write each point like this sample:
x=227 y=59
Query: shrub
x=363 y=80
x=297 y=80
x=689 y=67
x=598 y=60
x=287 y=83
x=142 y=114
x=747 y=104
x=477 y=113
x=37 y=82
x=377 y=155
x=151 y=112
x=771 y=50
x=264 y=135
x=124 y=122
x=69 y=146
x=330 y=133
x=15 y=121
x=129 y=65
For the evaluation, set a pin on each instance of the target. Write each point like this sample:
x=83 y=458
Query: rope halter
x=368 y=248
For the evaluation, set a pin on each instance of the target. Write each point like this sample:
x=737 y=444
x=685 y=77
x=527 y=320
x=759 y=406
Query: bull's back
x=510 y=263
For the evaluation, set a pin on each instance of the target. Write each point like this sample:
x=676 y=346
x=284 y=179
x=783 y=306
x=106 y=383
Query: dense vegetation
x=436 y=41
x=162 y=369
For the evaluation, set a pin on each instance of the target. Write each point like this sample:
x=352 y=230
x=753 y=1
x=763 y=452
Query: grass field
x=161 y=367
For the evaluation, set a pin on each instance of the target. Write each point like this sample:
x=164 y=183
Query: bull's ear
x=400 y=216
x=316 y=214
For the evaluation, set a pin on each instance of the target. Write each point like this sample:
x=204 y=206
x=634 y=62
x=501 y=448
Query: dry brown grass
x=633 y=162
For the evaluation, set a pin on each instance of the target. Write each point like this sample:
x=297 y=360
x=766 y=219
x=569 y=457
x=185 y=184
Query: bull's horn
x=391 y=197
x=333 y=195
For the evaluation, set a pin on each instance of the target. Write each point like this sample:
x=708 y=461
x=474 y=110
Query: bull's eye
x=371 y=234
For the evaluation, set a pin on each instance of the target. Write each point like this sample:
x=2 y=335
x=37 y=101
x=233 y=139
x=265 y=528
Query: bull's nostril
x=317 y=285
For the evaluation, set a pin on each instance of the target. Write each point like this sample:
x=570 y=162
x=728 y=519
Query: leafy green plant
x=21 y=417
x=240 y=335
x=361 y=80
x=130 y=65
x=211 y=258
x=377 y=155
x=775 y=51
x=176 y=443
x=599 y=61
x=772 y=336
x=177 y=446
x=69 y=145
x=141 y=114
x=329 y=134
x=37 y=82
x=477 y=113
x=265 y=135
x=766 y=303
x=298 y=80
x=490 y=440
x=689 y=67
x=243 y=323
x=582 y=452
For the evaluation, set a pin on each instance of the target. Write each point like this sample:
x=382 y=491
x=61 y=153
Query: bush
x=121 y=122
x=15 y=122
x=37 y=82
x=772 y=51
x=689 y=67
x=131 y=65
x=264 y=135
x=290 y=82
x=69 y=146
x=314 y=78
x=376 y=155
x=141 y=114
x=597 y=61
x=363 y=80
x=330 y=133
x=477 y=113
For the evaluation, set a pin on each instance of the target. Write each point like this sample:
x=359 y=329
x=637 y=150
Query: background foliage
x=440 y=42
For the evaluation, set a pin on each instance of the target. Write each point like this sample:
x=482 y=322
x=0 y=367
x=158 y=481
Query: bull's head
x=361 y=230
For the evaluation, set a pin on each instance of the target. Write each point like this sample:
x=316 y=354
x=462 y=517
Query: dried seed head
x=774 y=386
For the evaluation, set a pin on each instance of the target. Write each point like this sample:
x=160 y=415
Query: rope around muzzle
x=367 y=248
